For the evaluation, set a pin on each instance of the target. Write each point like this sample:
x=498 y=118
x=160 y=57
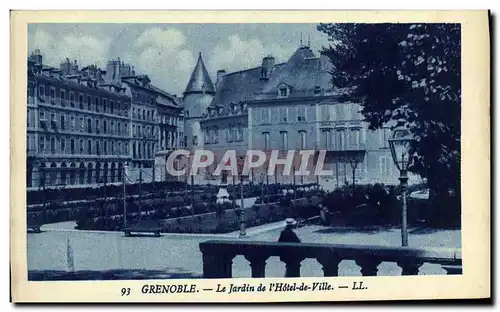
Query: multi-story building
x=77 y=125
x=84 y=125
x=292 y=106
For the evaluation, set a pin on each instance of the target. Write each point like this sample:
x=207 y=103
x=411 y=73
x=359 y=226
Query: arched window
x=43 y=174
x=98 y=173
x=63 y=173
x=81 y=174
x=112 y=173
x=105 y=172
x=89 y=173
x=53 y=174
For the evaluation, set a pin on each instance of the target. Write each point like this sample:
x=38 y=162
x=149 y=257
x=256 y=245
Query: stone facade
x=293 y=106
x=80 y=122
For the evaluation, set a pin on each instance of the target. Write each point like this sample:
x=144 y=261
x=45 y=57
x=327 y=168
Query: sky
x=167 y=53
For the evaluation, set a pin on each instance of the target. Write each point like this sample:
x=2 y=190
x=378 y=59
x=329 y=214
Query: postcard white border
x=473 y=283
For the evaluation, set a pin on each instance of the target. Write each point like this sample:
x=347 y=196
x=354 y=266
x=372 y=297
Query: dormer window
x=283 y=91
x=317 y=89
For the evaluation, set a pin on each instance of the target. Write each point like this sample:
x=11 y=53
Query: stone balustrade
x=218 y=257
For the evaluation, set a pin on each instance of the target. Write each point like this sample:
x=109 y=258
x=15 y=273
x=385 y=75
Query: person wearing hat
x=288 y=235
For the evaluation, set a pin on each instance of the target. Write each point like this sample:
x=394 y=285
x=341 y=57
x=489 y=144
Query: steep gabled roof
x=200 y=79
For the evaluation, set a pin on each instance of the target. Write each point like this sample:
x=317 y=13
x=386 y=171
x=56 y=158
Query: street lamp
x=400 y=144
x=243 y=231
x=354 y=164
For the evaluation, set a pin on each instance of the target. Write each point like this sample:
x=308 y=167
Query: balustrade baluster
x=330 y=265
x=258 y=264
x=216 y=266
x=292 y=263
x=369 y=266
x=410 y=266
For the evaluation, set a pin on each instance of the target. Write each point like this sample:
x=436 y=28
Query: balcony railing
x=345 y=147
x=218 y=257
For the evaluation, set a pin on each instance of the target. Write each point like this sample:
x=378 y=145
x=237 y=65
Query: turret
x=198 y=95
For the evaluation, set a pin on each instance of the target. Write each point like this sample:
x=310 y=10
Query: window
x=89 y=102
x=302 y=137
x=72 y=146
x=53 y=95
x=265 y=138
x=52 y=145
x=41 y=91
x=126 y=149
x=81 y=146
x=385 y=166
x=283 y=140
x=384 y=135
x=98 y=148
x=119 y=148
x=325 y=139
x=72 y=99
x=104 y=126
x=283 y=91
x=82 y=124
x=265 y=115
x=340 y=112
x=119 y=128
x=63 y=97
x=42 y=117
x=97 y=126
x=325 y=112
x=63 y=145
x=89 y=125
x=53 y=117
x=97 y=105
x=73 y=122
x=80 y=101
x=354 y=138
x=89 y=147
x=133 y=130
x=41 y=144
x=106 y=150
x=301 y=113
x=283 y=114
x=239 y=133
x=112 y=127
x=105 y=109
x=112 y=106
x=229 y=135
x=113 y=147
x=340 y=139
x=63 y=122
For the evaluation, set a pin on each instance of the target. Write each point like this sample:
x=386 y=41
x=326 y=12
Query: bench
x=144 y=226
x=34 y=225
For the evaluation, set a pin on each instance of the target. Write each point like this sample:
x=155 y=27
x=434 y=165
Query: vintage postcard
x=268 y=156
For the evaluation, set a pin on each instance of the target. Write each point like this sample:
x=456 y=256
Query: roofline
x=248 y=69
x=292 y=99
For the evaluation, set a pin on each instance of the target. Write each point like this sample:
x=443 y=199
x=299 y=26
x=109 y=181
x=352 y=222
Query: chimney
x=65 y=67
x=220 y=73
x=267 y=67
x=36 y=56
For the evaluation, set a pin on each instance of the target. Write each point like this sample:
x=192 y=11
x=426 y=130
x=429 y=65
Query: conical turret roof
x=200 y=79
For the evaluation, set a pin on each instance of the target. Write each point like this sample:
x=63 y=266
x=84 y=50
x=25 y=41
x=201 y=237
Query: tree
x=410 y=72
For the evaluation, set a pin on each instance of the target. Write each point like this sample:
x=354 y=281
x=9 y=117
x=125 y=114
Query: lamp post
x=354 y=165
x=400 y=144
x=243 y=231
